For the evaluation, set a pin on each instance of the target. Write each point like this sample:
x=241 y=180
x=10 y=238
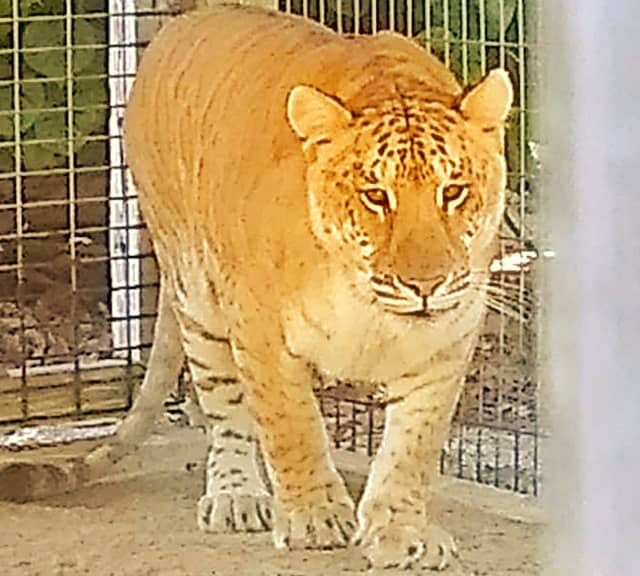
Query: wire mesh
x=69 y=248
x=77 y=277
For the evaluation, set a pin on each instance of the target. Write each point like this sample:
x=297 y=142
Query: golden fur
x=328 y=204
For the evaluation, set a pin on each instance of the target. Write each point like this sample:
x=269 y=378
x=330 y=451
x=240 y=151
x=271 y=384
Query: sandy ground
x=141 y=522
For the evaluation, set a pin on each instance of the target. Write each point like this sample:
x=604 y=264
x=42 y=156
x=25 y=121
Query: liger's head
x=411 y=191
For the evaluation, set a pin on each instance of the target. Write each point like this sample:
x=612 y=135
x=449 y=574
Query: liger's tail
x=22 y=481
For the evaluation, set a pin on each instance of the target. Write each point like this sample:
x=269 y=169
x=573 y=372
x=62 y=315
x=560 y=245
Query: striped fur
x=237 y=494
x=319 y=205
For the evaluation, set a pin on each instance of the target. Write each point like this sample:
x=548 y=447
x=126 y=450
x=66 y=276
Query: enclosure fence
x=78 y=282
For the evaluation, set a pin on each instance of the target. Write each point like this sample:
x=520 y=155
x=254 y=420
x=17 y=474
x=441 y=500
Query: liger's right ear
x=313 y=115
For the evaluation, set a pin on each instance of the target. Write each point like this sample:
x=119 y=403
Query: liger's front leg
x=395 y=529
x=312 y=508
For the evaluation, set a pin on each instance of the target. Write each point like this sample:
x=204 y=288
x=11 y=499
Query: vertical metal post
x=72 y=197
x=124 y=220
x=19 y=196
x=593 y=374
x=447 y=33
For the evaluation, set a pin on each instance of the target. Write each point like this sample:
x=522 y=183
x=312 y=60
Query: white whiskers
x=510 y=300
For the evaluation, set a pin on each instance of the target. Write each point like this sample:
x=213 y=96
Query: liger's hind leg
x=236 y=495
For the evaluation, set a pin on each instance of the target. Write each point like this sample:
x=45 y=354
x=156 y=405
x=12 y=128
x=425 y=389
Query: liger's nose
x=427 y=286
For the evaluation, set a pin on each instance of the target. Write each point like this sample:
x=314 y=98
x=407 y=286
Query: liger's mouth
x=427 y=312
x=402 y=306
x=423 y=312
x=407 y=300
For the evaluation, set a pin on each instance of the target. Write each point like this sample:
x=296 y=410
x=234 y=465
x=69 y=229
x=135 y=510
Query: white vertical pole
x=593 y=372
x=124 y=236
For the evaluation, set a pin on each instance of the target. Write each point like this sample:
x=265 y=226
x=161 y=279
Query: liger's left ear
x=488 y=102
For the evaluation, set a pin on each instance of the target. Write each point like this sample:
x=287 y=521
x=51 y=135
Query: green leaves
x=48 y=59
x=91 y=98
x=492 y=10
x=5 y=27
x=51 y=54
x=6 y=69
x=467 y=31
x=52 y=128
x=6 y=116
x=5 y=8
x=51 y=37
x=38 y=157
x=32 y=97
x=42 y=7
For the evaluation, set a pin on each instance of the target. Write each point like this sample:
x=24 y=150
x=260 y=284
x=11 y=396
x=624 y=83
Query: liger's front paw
x=404 y=546
x=402 y=539
x=228 y=512
x=324 y=522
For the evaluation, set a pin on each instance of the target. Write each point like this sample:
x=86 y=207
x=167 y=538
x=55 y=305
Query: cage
x=78 y=278
x=78 y=282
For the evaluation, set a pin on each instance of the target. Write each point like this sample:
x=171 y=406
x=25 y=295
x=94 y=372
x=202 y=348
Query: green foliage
x=466 y=50
x=42 y=7
x=5 y=29
x=49 y=75
x=51 y=36
x=5 y=8
x=459 y=29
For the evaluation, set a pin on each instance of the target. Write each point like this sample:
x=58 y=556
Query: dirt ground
x=141 y=522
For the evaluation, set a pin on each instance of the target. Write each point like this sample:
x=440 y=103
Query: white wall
x=593 y=372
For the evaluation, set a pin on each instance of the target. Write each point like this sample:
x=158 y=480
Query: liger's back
x=207 y=117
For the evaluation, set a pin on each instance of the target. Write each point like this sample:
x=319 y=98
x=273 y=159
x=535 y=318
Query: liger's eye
x=452 y=196
x=453 y=192
x=376 y=200
x=376 y=196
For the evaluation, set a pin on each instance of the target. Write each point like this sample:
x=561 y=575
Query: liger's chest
x=349 y=337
